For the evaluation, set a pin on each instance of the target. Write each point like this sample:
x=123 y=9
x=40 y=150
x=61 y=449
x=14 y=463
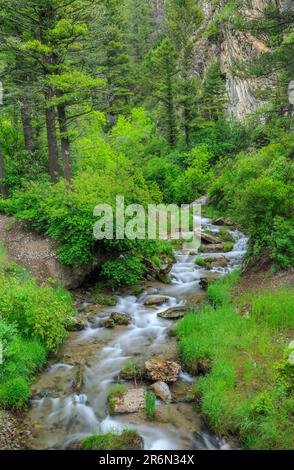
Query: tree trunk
x=65 y=144
x=51 y=137
x=3 y=186
x=28 y=130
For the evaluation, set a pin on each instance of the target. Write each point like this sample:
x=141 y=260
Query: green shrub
x=124 y=270
x=8 y=332
x=200 y=261
x=14 y=394
x=255 y=189
x=150 y=405
x=262 y=404
x=281 y=241
x=38 y=311
x=228 y=247
x=24 y=357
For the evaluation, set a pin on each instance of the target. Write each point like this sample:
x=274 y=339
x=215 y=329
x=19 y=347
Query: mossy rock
x=108 y=323
x=228 y=247
x=127 y=440
x=105 y=299
x=226 y=236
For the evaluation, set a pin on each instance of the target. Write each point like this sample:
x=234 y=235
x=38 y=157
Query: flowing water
x=58 y=416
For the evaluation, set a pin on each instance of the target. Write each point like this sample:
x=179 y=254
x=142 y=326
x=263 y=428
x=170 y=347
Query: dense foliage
x=33 y=322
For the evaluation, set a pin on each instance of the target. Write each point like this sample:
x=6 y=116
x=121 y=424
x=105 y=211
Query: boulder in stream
x=162 y=391
x=214 y=262
x=207 y=237
x=213 y=248
x=120 y=318
x=205 y=281
x=174 y=313
x=162 y=371
x=76 y=324
x=155 y=300
x=108 y=323
x=131 y=401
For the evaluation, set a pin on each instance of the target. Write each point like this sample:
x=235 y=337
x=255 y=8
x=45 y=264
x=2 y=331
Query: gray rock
x=156 y=300
x=162 y=391
x=174 y=313
x=131 y=401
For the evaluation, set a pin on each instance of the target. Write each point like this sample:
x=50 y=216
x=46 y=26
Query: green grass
x=219 y=293
x=249 y=391
x=150 y=405
x=127 y=440
x=131 y=370
x=116 y=389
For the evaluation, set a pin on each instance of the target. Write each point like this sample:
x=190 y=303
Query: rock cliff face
x=228 y=46
x=231 y=46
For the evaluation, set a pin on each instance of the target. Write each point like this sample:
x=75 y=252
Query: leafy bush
x=14 y=394
x=38 y=311
x=200 y=261
x=256 y=190
x=8 y=332
x=24 y=357
x=124 y=270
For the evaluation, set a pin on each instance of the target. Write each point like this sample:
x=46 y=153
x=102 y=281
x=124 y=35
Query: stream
x=59 y=415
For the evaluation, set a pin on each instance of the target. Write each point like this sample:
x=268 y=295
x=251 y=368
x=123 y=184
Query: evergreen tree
x=183 y=18
x=163 y=81
x=113 y=58
x=213 y=99
x=40 y=46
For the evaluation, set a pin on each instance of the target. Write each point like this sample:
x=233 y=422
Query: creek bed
x=63 y=412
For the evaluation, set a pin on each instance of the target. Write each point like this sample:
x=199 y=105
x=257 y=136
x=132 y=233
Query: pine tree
x=213 y=99
x=41 y=46
x=164 y=76
x=183 y=18
x=114 y=60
